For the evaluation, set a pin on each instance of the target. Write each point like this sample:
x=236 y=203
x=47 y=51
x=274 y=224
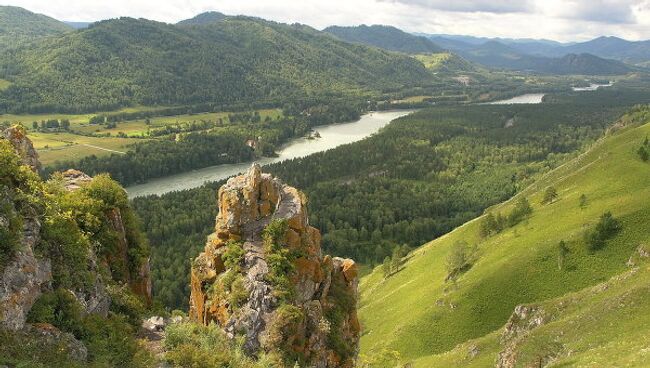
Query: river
x=332 y=136
x=529 y=98
x=591 y=87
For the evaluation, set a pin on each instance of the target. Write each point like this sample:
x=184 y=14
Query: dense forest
x=125 y=62
x=385 y=37
x=420 y=177
x=18 y=26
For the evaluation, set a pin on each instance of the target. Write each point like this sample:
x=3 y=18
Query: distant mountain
x=18 y=25
x=612 y=48
x=585 y=64
x=631 y=52
x=385 y=37
x=204 y=18
x=122 y=62
x=499 y=55
x=78 y=25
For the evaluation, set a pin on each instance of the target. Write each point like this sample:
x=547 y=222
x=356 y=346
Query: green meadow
x=79 y=142
x=416 y=316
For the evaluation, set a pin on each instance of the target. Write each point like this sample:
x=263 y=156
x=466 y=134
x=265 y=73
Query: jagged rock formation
x=140 y=282
x=25 y=276
x=307 y=310
x=523 y=320
x=23 y=146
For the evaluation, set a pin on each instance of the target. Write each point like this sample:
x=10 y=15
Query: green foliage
x=385 y=37
x=343 y=304
x=583 y=201
x=279 y=259
x=124 y=302
x=238 y=60
x=232 y=282
x=521 y=210
x=460 y=259
x=20 y=26
x=197 y=346
x=605 y=229
x=392 y=189
x=643 y=153
x=386 y=267
x=22 y=196
x=550 y=195
x=75 y=220
x=562 y=253
x=234 y=255
x=285 y=324
x=60 y=309
x=520 y=266
x=491 y=224
x=110 y=341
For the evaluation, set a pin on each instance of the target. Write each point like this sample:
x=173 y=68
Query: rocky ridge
x=27 y=275
x=314 y=318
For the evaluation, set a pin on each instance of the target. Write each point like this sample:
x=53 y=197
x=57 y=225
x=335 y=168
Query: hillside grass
x=416 y=313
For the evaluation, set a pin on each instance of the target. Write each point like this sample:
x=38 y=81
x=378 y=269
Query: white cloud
x=565 y=20
x=472 y=6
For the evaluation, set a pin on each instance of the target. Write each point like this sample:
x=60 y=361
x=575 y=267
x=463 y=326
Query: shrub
x=285 y=324
x=279 y=259
x=520 y=212
x=550 y=195
x=460 y=259
x=194 y=345
x=60 y=309
x=605 y=229
x=126 y=303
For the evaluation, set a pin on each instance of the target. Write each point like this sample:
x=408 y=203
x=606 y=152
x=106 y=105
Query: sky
x=561 y=20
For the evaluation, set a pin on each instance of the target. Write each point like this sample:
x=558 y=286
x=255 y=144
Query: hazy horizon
x=563 y=21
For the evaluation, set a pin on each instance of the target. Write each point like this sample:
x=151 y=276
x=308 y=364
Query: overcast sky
x=563 y=20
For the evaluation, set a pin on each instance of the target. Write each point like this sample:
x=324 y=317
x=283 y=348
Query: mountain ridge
x=385 y=37
x=128 y=61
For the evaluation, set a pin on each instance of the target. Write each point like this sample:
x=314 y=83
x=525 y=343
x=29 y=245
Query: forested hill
x=385 y=37
x=125 y=61
x=18 y=25
x=204 y=18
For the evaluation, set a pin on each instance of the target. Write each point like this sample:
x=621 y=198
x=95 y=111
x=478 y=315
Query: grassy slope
x=411 y=311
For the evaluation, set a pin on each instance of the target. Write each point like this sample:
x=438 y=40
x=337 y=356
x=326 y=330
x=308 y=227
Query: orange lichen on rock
x=247 y=205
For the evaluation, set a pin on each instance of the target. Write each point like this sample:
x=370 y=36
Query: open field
x=64 y=146
x=140 y=127
x=54 y=147
x=4 y=84
x=423 y=318
x=75 y=119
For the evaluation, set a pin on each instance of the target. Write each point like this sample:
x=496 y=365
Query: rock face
x=23 y=146
x=315 y=321
x=23 y=279
x=523 y=320
x=25 y=276
x=97 y=301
